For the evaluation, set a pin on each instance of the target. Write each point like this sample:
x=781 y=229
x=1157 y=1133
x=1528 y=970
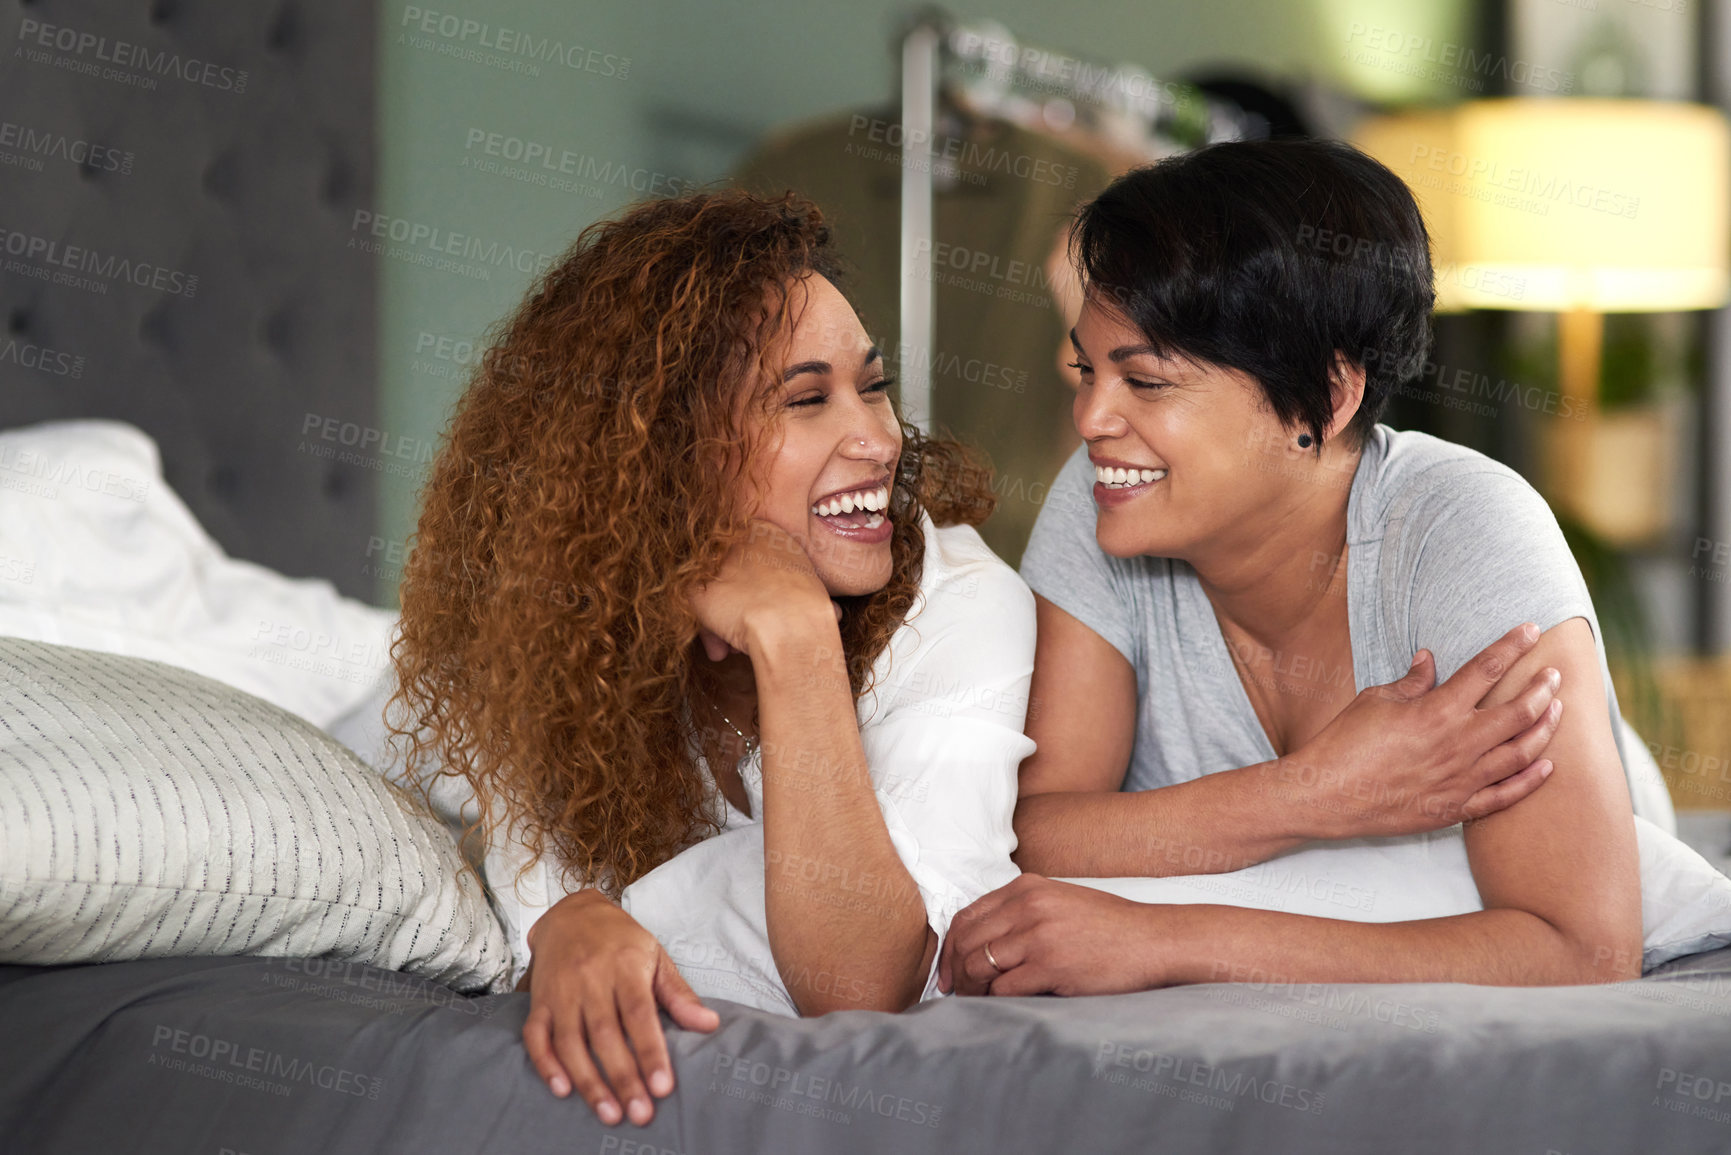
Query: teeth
x=1110 y=475
x=873 y=500
x=875 y=520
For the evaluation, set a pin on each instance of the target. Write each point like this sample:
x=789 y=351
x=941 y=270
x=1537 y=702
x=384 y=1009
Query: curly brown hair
x=585 y=488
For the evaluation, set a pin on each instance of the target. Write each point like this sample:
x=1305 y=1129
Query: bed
x=315 y=1051
x=272 y=1056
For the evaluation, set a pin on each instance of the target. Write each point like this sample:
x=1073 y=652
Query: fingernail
x=1530 y=632
x=560 y=1085
x=660 y=1083
x=1545 y=769
x=609 y=1112
x=1554 y=677
x=1556 y=709
x=641 y=1112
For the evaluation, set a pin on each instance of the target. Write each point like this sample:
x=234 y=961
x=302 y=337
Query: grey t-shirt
x=1447 y=550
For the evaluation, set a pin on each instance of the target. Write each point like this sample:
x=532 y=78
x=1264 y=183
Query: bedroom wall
x=651 y=104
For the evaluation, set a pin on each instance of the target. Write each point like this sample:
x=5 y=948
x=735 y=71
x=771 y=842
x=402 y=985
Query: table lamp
x=1579 y=207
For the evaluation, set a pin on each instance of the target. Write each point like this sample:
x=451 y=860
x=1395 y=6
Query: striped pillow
x=148 y=811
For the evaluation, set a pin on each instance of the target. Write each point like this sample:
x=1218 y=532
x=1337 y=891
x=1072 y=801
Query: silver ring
x=990 y=959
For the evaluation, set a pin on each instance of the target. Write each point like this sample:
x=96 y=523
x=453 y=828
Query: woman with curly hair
x=706 y=635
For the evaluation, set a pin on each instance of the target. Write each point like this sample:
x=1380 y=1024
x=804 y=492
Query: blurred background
x=274 y=235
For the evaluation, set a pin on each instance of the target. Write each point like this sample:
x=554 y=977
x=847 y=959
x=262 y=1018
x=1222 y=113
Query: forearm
x=847 y=925
x=1502 y=947
x=1209 y=825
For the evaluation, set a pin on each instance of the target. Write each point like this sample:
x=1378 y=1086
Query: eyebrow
x=824 y=368
x=1122 y=352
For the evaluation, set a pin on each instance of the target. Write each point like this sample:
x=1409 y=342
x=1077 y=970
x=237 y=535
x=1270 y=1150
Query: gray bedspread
x=274 y=1057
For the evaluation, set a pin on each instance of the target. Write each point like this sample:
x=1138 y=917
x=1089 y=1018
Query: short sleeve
x=945 y=750
x=1065 y=565
x=1476 y=555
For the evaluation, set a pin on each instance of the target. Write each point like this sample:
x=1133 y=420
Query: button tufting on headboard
x=220 y=176
x=338 y=184
x=220 y=481
x=173 y=253
x=152 y=329
x=278 y=331
x=285 y=32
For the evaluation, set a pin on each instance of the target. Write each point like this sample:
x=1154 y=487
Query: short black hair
x=1268 y=256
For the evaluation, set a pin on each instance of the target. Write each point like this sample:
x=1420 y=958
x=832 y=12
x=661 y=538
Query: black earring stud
x=1304 y=441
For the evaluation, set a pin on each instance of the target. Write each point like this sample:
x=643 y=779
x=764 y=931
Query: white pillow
x=98 y=552
x=149 y=811
x=1685 y=902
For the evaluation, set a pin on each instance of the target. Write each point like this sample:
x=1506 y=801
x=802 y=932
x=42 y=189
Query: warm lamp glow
x=1614 y=206
x=1580 y=208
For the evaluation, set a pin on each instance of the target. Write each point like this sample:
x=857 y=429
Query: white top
x=942 y=733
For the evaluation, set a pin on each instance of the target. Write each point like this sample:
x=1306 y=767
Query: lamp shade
x=1614 y=206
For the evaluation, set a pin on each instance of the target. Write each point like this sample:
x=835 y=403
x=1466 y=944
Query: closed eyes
x=880 y=386
x=1133 y=382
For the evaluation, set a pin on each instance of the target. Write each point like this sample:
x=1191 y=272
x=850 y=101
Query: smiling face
x=825 y=470
x=1189 y=458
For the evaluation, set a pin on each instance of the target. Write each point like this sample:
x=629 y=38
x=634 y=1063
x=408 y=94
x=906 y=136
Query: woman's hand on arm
x=1406 y=758
x=1400 y=758
x=1559 y=876
x=596 y=980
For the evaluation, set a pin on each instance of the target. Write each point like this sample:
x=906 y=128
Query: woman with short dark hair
x=1236 y=550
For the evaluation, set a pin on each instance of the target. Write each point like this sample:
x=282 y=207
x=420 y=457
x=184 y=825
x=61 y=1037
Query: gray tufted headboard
x=177 y=182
